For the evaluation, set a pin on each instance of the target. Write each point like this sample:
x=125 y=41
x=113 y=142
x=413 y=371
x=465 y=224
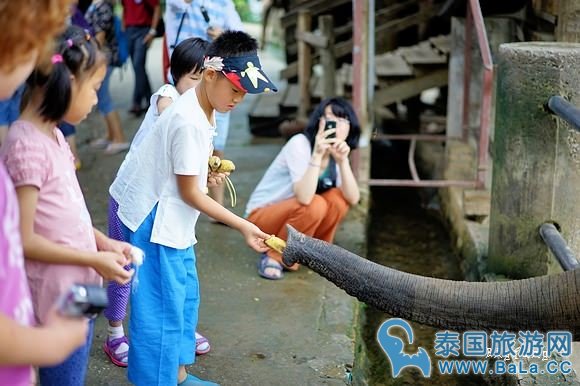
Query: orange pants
x=319 y=219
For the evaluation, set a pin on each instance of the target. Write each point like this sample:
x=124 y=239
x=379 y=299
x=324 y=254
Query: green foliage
x=243 y=10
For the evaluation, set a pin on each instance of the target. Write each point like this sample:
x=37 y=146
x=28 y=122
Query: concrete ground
x=297 y=331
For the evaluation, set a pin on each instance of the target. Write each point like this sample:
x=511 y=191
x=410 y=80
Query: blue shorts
x=105 y=103
x=222 y=122
x=66 y=128
x=164 y=309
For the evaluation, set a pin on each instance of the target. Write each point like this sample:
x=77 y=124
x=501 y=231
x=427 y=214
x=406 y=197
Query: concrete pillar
x=536 y=170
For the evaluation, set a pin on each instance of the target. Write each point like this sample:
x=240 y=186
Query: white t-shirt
x=180 y=142
x=168 y=91
x=288 y=167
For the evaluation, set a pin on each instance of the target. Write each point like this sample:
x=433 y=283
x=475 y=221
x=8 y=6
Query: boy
x=161 y=192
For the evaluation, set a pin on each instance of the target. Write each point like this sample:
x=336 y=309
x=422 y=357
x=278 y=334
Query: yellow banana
x=276 y=243
x=218 y=165
x=226 y=166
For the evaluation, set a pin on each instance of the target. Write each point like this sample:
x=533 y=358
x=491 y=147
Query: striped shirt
x=222 y=14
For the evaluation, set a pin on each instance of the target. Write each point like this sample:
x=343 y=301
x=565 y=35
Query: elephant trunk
x=544 y=303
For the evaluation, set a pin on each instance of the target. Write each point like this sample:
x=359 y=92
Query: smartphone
x=83 y=300
x=328 y=126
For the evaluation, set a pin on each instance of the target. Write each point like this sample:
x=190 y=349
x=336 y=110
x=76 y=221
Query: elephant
x=543 y=303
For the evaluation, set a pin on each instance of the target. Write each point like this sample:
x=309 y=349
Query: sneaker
x=201 y=344
x=192 y=380
x=114 y=148
x=100 y=143
x=110 y=347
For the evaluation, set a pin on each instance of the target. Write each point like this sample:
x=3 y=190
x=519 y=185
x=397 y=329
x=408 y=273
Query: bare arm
x=190 y=193
x=305 y=188
x=163 y=103
x=36 y=247
x=349 y=186
x=40 y=346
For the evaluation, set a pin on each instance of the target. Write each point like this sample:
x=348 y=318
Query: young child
x=24 y=345
x=160 y=191
x=60 y=245
x=186 y=69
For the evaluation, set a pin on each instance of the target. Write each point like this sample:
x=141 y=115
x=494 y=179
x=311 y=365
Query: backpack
x=122 y=53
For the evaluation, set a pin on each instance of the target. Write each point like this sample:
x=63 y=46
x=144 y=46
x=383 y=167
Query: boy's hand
x=215 y=179
x=110 y=265
x=254 y=237
x=214 y=32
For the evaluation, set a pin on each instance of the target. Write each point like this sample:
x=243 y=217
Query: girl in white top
x=186 y=70
x=310 y=184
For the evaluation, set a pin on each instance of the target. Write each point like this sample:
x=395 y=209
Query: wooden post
x=536 y=173
x=304 y=64
x=360 y=78
x=327 y=56
x=568 y=27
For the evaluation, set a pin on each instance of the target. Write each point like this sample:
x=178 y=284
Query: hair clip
x=69 y=43
x=56 y=58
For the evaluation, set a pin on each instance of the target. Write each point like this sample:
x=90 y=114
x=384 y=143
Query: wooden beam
x=408 y=88
x=327 y=56
x=315 y=7
x=304 y=64
x=317 y=41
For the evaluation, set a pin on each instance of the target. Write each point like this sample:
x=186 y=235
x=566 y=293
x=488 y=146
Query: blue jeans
x=222 y=122
x=73 y=370
x=105 y=103
x=138 y=54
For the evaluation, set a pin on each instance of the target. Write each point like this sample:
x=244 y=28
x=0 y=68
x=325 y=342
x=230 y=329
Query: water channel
x=406 y=233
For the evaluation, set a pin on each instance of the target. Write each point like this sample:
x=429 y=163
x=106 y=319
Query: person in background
x=25 y=344
x=100 y=16
x=140 y=18
x=206 y=20
x=310 y=184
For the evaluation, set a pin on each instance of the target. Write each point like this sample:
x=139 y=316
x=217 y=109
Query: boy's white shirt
x=180 y=142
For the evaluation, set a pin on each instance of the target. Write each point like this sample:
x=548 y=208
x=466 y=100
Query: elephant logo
x=393 y=347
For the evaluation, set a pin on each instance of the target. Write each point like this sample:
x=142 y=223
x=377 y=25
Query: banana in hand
x=218 y=165
x=275 y=243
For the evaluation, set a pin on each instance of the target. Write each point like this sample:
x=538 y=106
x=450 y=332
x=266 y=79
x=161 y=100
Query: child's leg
x=73 y=370
x=190 y=312
x=116 y=345
x=157 y=311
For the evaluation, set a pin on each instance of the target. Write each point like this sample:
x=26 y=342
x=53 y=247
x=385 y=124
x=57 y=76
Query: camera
x=328 y=126
x=83 y=300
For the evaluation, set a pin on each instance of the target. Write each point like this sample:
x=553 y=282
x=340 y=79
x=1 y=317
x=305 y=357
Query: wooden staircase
x=399 y=75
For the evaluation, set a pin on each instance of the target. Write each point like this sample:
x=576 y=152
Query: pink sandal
x=201 y=344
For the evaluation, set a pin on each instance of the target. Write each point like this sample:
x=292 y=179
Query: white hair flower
x=215 y=63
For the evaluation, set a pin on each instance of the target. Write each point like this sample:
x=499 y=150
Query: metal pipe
x=565 y=110
x=465 y=121
x=421 y=183
x=411 y=160
x=558 y=247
